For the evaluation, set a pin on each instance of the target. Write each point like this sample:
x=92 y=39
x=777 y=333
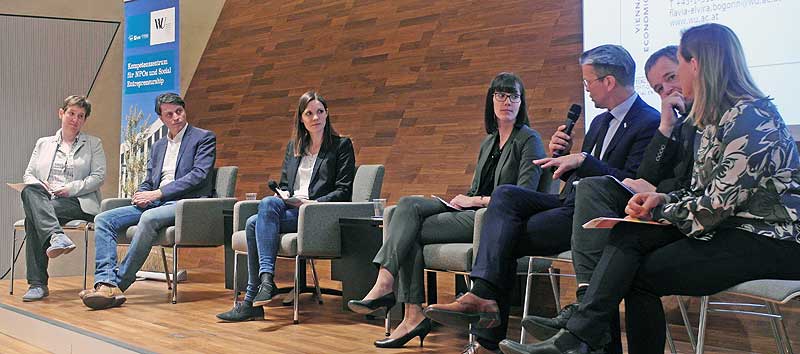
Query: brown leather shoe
x=468 y=309
x=104 y=297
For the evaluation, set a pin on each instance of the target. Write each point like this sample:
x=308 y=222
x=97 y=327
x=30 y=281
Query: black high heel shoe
x=421 y=331
x=369 y=306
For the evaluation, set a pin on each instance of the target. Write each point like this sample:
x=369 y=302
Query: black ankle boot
x=242 y=311
x=266 y=290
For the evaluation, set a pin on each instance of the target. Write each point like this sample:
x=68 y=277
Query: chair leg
x=175 y=274
x=317 y=291
x=527 y=301
x=297 y=261
x=13 y=261
x=469 y=286
x=554 y=285
x=85 y=254
x=686 y=322
x=778 y=329
x=670 y=341
x=166 y=269
x=235 y=278
x=701 y=330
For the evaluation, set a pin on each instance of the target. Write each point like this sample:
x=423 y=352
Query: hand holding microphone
x=561 y=141
x=284 y=195
x=278 y=191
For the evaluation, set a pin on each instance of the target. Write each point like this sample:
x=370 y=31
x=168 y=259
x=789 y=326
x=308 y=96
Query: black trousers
x=43 y=218
x=641 y=263
x=519 y=222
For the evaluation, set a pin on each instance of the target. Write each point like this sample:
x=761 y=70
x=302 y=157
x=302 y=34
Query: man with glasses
x=521 y=223
x=666 y=166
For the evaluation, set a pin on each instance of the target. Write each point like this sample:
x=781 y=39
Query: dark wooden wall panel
x=406 y=80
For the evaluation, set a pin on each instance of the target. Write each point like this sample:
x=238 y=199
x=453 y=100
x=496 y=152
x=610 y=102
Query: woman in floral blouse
x=737 y=222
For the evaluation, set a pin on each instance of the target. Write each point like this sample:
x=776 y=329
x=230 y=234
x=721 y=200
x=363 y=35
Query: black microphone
x=274 y=187
x=572 y=118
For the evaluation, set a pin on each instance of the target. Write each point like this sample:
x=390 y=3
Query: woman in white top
x=63 y=180
x=319 y=166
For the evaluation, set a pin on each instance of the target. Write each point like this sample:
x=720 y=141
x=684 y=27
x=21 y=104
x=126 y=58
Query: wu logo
x=159 y=23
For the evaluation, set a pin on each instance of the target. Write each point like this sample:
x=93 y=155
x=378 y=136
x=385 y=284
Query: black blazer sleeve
x=287 y=162
x=345 y=173
x=667 y=162
x=659 y=161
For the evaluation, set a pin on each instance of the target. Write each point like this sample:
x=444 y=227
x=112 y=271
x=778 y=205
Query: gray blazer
x=89 y=168
x=516 y=162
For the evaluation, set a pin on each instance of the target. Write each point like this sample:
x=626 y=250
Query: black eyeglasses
x=501 y=97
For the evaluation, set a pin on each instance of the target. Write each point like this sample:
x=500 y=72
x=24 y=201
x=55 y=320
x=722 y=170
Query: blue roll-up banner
x=151 y=57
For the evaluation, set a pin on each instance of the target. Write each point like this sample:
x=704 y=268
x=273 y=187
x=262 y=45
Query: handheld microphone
x=274 y=187
x=572 y=118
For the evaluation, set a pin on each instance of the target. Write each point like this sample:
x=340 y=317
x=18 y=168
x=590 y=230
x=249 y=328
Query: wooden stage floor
x=150 y=323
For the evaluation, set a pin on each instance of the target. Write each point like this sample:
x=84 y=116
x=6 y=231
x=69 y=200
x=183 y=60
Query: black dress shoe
x=562 y=343
x=542 y=328
x=421 y=330
x=242 y=312
x=369 y=306
x=266 y=291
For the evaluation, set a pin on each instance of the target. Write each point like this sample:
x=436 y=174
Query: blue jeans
x=148 y=221
x=263 y=230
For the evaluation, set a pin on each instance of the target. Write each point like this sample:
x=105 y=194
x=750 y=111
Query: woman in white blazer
x=63 y=180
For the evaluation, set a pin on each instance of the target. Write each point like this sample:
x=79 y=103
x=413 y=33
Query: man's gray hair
x=613 y=60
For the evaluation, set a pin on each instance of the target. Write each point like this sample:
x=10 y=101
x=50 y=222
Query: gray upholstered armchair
x=198 y=222
x=317 y=235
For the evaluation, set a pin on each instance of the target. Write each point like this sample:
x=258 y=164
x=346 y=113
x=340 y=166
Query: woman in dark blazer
x=319 y=166
x=505 y=157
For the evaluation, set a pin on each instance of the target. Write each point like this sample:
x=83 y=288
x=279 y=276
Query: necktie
x=601 y=136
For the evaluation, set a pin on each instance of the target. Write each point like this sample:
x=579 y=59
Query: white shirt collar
x=178 y=137
x=621 y=110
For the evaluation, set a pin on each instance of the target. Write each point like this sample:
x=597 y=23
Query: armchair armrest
x=243 y=210
x=199 y=221
x=388 y=212
x=476 y=233
x=318 y=233
x=113 y=203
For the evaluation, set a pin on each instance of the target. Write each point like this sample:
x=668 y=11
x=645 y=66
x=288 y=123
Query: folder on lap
x=607 y=223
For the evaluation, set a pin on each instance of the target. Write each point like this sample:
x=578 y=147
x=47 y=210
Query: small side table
x=361 y=240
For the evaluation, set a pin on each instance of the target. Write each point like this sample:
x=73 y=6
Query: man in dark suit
x=520 y=223
x=179 y=167
x=666 y=166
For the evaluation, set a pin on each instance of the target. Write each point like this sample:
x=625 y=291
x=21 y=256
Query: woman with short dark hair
x=63 y=181
x=506 y=157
